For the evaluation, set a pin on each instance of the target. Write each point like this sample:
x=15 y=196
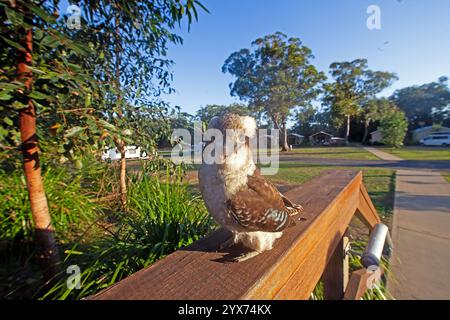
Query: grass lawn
x=320 y=152
x=420 y=153
x=335 y=153
x=380 y=183
x=446 y=176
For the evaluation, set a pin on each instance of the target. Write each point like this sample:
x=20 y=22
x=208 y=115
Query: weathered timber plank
x=366 y=210
x=335 y=274
x=290 y=270
x=333 y=206
x=357 y=285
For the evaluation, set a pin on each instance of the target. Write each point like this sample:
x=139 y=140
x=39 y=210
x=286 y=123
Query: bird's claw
x=245 y=256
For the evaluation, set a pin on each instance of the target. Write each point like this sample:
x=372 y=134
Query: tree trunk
x=123 y=177
x=121 y=145
x=47 y=251
x=284 y=142
x=347 y=132
x=283 y=137
x=366 y=131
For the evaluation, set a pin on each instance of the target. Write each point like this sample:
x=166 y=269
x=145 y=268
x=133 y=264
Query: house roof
x=321 y=132
x=296 y=135
x=428 y=128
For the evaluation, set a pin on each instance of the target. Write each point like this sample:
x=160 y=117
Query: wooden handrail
x=299 y=259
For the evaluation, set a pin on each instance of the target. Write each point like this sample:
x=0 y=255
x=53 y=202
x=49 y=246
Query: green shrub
x=69 y=203
x=164 y=215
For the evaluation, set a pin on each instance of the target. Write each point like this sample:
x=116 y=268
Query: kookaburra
x=237 y=196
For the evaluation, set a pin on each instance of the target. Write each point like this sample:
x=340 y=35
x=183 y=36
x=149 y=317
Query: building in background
x=376 y=137
x=295 y=140
x=421 y=133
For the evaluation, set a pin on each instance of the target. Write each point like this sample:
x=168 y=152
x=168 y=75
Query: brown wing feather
x=259 y=206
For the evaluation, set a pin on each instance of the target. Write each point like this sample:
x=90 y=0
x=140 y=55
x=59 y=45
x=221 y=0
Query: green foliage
x=425 y=104
x=164 y=216
x=81 y=106
x=60 y=85
x=275 y=77
x=374 y=110
x=310 y=120
x=69 y=203
x=354 y=85
x=206 y=113
x=393 y=127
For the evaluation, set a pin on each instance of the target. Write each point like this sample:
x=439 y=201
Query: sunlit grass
x=420 y=153
x=380 y=183
x=335 y=153
x=446 y=176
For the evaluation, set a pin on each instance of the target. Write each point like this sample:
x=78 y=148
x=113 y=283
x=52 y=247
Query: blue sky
x=418 y=32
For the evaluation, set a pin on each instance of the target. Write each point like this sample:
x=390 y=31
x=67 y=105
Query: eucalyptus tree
x=132 y=39
x=61 y=85
x=209 y=111
x=425 y=104
x=374 y=110
x=40 y=88
x=354 y=84
x=275 y=76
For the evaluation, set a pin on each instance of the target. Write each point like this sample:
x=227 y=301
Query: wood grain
x=290 y=270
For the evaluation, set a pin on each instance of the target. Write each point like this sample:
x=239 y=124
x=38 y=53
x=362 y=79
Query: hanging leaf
x=50 y=41
x=13 y=43
x=87 y=100
x=38 y=95
x=8 y=121
x=13 y=16
x=5 y=96
x=73 y=131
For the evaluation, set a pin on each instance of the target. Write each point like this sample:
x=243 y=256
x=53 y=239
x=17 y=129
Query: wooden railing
x=310 y=251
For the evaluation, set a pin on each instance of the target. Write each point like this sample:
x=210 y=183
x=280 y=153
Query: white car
x=442 y=140
x=131 y=152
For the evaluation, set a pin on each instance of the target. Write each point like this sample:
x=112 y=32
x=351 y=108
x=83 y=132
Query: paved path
x=421 y=236
x=382 y=155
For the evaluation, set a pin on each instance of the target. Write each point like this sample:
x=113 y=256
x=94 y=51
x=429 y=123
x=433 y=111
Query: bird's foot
x=245 y=256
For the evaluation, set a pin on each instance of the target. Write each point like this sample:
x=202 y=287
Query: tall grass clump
x=70 y=194
x=69 y=203
x=164 y=214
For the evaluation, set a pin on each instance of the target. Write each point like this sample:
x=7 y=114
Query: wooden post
x=335 y=276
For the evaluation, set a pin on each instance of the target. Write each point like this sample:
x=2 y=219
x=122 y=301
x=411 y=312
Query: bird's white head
x=237 y=133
